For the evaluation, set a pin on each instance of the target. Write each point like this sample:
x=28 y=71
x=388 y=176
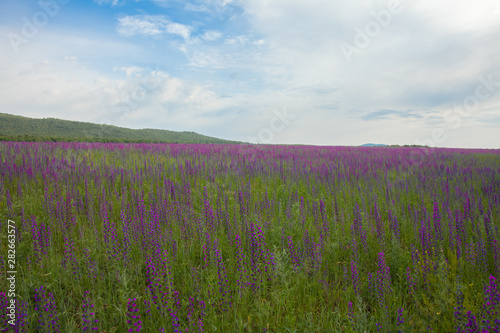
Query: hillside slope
x=50 y=129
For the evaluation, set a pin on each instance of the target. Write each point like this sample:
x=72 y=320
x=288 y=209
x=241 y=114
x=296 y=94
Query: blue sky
x=323 y=72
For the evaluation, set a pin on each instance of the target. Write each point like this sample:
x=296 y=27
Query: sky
x=318 y=72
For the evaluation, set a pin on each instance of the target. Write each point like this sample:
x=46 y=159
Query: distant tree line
x=410 y=146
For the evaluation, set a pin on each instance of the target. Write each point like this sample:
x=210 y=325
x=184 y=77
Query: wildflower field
x=232 y=238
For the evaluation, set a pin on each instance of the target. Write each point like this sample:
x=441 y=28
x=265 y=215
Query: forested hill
x=17 y=128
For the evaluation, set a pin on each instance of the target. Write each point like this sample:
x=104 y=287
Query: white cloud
x=428 y=58
x=179 y=29
x=460 y=15
x=196 y=8
x=208 y=6
x=212 y=35
x=237 y=40
x=151 y=25
x=63 y=88
x=130 y=70
x=107 y=2
x=146 y=25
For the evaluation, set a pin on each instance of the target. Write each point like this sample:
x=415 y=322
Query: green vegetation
x=17 y=128
x=230 y=238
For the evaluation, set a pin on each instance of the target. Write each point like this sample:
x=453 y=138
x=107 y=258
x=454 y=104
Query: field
x=229 y=238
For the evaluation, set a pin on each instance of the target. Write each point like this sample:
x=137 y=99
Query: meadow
x=234 y=238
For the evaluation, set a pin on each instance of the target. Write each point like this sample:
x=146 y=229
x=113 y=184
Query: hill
x=373 y=145
x=18 y=128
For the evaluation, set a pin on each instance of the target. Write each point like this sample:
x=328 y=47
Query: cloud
x=384 y=114
x=179 y=29
x=428 y=58
x=212 y=35
x=146 y=25
x=328 y=107
x=416 y=61
x=63 y=88
x=196 y=8
x=130 y=70
x=237 y=40
x=107 y=2
x=208 y=6
x=151 y=25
